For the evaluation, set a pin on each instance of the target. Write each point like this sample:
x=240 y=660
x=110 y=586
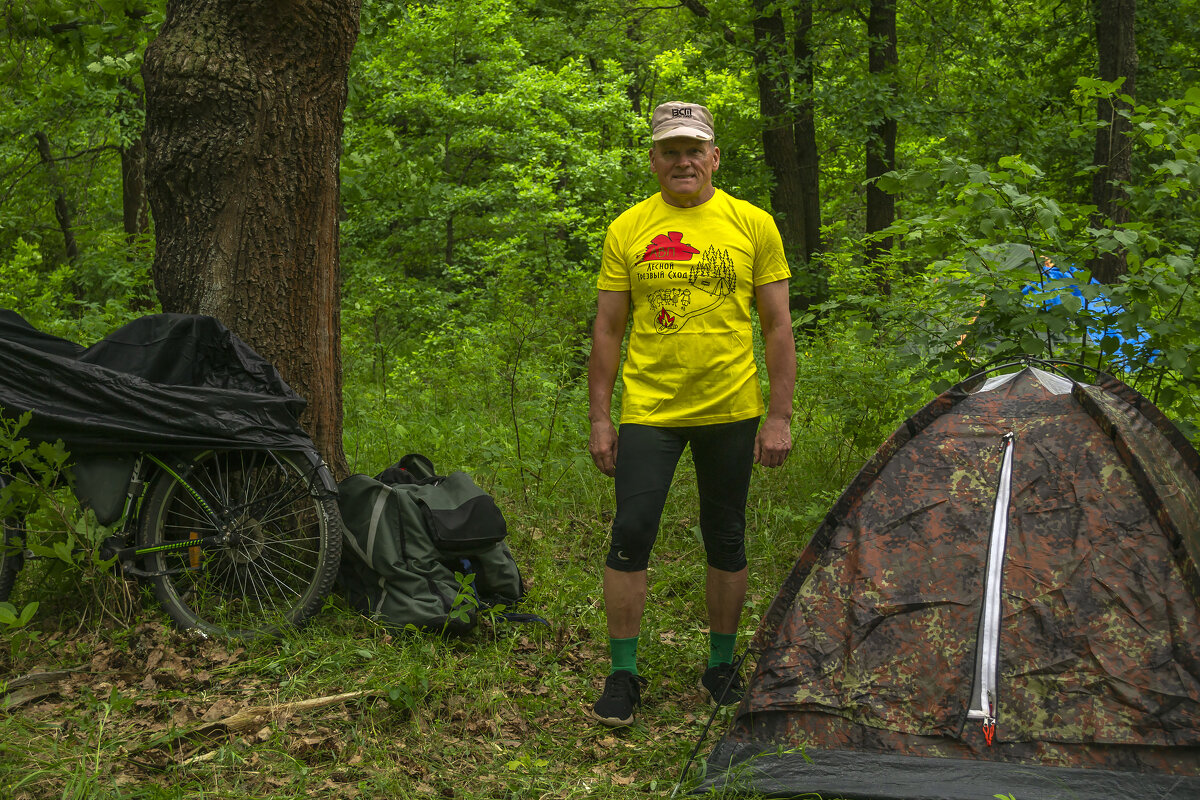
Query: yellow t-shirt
x=691 y=274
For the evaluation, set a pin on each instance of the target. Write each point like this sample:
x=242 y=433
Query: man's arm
x=774 y=440
x=612 y=312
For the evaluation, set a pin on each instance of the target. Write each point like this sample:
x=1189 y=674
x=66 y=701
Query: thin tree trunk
x=135 y=209
x=779 y=143
x=881 y=136
x=789 y=136
x=244 y=105
x=62 y=211
x=814 y=289
x=135 y=214
x=1116 y=49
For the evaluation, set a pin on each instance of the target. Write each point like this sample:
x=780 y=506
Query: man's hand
x=602 y=444
x=774 y=442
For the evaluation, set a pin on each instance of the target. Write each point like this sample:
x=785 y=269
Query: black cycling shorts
x=647 y=455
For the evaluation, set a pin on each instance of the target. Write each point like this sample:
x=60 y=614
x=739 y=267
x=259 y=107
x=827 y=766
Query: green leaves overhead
x=71 y=81
x=488 y=143
x=456 y=144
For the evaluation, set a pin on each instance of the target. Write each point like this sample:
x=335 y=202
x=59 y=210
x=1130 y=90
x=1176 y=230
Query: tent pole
x=737 y=666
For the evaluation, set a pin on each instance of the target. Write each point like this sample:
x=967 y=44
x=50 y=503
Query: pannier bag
x=408 y=531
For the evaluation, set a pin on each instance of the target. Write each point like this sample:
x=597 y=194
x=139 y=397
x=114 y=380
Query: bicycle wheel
x=280 y=561
x=12 y=556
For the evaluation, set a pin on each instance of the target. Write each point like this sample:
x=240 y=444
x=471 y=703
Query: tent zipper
x=983 y=705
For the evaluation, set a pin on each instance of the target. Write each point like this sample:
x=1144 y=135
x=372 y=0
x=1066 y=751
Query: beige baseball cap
x=681 y=119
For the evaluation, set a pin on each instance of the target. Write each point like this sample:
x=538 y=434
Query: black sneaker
x=622 y=694
x=722 y=682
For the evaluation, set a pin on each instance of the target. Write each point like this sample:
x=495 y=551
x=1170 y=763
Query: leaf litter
x=176 y=708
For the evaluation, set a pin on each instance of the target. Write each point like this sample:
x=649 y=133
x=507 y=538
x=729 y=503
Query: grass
x=137 y=709
x=346 y=708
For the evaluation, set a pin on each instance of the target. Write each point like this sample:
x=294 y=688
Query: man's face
x=684 y=168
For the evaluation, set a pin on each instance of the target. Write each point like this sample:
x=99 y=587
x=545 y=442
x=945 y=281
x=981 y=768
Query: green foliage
x=29 y=474
x=980 y=287
x=11 y=619
x=62 y=566
x=466 y=602
x=37 y=293
x=71 y=75
x=498 y=390
x=46 y=295
x=458 y=147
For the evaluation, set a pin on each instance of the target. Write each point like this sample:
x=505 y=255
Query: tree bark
x=244 y=104
x=1116 y=49
x=882 y=60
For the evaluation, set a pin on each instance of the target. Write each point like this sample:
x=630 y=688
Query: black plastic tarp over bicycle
x=186 y=441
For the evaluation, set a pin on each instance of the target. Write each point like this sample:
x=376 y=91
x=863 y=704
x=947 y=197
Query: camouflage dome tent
x=1003 y=602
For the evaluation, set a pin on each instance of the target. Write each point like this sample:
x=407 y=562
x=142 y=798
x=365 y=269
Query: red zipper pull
x=989 y=723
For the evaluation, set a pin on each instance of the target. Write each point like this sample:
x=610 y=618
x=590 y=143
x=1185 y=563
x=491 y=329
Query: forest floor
x=342 y=710
x=103 y=698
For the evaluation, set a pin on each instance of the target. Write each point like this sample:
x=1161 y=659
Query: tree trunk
x=779 y=144
x=135 y=214
x=135 y=210
x=62 y=211
x=244 y=104
x=815 y=289
x=1116 y=49
x=789 y=136
x=881 y=135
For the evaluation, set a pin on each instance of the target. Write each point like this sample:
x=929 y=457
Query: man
x=686 y=264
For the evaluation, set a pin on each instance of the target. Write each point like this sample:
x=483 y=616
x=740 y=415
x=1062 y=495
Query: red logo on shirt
x=665 y=319
x=669 y=247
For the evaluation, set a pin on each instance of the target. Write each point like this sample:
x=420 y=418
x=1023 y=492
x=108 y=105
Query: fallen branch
x=39 y=677
x=254 y=717
x=31 y=687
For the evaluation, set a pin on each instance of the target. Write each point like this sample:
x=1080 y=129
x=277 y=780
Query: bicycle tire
x=12 y=556
x=276 y=573
x=11 y=560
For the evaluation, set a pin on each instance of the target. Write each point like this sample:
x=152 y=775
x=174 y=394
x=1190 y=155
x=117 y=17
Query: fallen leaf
x=221 y=708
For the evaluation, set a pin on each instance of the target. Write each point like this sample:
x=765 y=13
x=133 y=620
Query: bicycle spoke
x=275 y=566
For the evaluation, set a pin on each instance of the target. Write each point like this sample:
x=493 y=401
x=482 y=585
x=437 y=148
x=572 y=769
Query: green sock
x=720 y=648
x=624 y=654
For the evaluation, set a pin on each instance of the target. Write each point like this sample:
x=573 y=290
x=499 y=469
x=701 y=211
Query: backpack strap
x=367 y=554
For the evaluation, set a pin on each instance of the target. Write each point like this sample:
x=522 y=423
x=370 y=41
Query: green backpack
x=424 y=550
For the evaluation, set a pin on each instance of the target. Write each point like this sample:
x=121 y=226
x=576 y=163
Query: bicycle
x=238 y=543
x=186 y=446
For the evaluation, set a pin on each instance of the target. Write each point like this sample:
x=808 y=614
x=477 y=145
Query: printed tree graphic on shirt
x=710 y=281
